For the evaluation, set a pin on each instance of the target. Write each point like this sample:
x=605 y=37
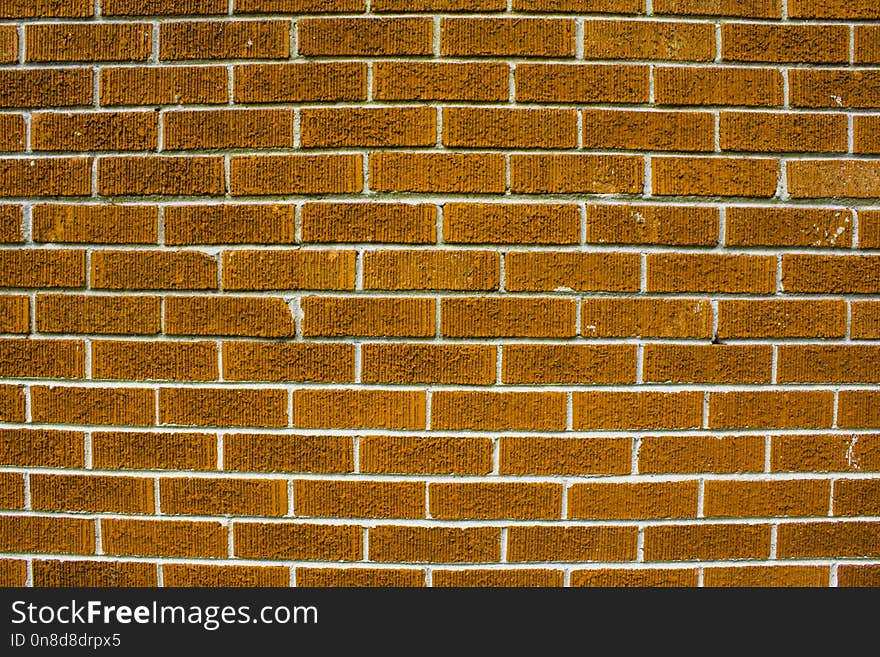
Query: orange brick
x=521 y=577
x=652 y=224
x=576 y=173
x=425 y=455
x=68 y=405
x=706 y=542
x=45 y=87
x=100 y=131
x=154 y=451
x=680 y=85
x=13 y=572
x=693 y=454
x=368 y=316
x=172 y=176
x=93 y=494
x=839 y=178
x=771 y=409
x=13 y=130
x=69 y=313
x=224 y=40
x=274 y=453
x=176 y=574
x=766 y=576
x=164 y=538
x=42 y=448
x=507 y=317
x=437 y=5
x=637 y=410
x=866 y=134
x=42 y=268
x=162 y=7
x=858 y=408
x=652 y=130
x=489 y=501
x=865 y=319
x=90 y=224
x=648 y=318
x=858 y=575
x=55 y=359
x=829 y=539
x=484 y=81
x=11 y=219
x=672 y=363
x=706 y=176
x=498 y=411
x=867 y=50
x=438 y=172
x=298 y=542
x=14 y=313
x=271 y=361
x=508 y=223
x=825 y=453
x=369 y=222
x=299 y=6
x=239 y=128
x=12 y=403
x=284 y=270
x=659 y=40
x=47 y=534
x=434 y=544
x=555 y=272
x=775 y=226
x=47 y=9
x=777 y=132
x=326 y=82
x=214 y=497
x=12 y=490
x=477 y=127
x=835 y=88
x=829 y=364
x=360 y=577
x=339 y=127
x=500 y=37
x=66 y=573
x=833 y=9
x=636 y=501
x=296 y=174
x=172 y=85
x=354 y=409
x=229 y=224
x=154 y=361
x=87 y=42
x=762 y=499
x=756 y=42
x=582 y=83
x=641 y=578
x=208 y=407
x=153 y=270
x=359 y=499
x=744 y=8
x=62 y=176
x=431 y=270
x=856 y=497
x=564 y=456
x=555 y=364
x=571 y=543
x=244 y=316
x=428 y=363
x=365 y=36
x=831 y=274
x=711 y=272
x=789 y=318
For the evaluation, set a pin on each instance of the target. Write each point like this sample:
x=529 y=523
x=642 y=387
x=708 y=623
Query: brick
x=521 y=577
x=45 y=87
x=833 y=179
x=507 y=317
x=12 y=491
x=369 y=222
x=771 y=409
x=755 y=42
x=68 y=405
x=836 y=88
x=460 y=173
x=173 y=176
x=47 y=9
x=12 y=403
x=637 y=410
x=833 y=9
x=706 y=542
x=13 y=131
x=42 y=268
x=555 y=364
x=431 y=270
x=705 y=176
x=368 y=316
x=237 y=316
x=647 y=318
x=365 y=36
x=175 y=85
x=360 y=577
x=856 y=497
x=354 y=409
x=154 y=361
x=289 y=270
x=498 y=411
x=711 y=272
x=477 y=127
x=766 y=576
x=777 y=132
x=490 y=501
x=858 y=408
x=88 y=42
x=92 y=494
x=425 y=455
x=298 y=542
x=825 y=453
x=13 y=572
x=651 y=130
x=296 y=174
x=95 y=224
x=153 y=270
x=694 y=454
x=652 y=224
x=657 y=40
x=673 y=363
x=229 y=224
x=642 y=577
x=828 y=539
x=178 y=574
x=858 y=575
x=42 y=448
x=865 y=319
x=789 y=318
x=208 y=407
x=117 y=450
x=582 y=83
x=831 y=274
x=762 y=499
x=224 y=40
x=162 y=7
x=301 y=82
x=299 y=6
x=777 y=226
x=511 y=37
x=829 y=364
x=214 y=497
x=428 y=363
x=62 y=176
x=79 y=573
x=576 y=173
x=866 y=48
x=744 y=8
x=14 y=313
x=498 y=223
x=716 y=85
x=164 y=538
x=340 y=127
x=271 y=361
x=555 y=272
x=435 y=544
x=359 y=499
x=866 y=134
x=35 y=358
x=47 y=534
x=73 y=313
x=638 y=501
x=564 y=456
x=571 y=543
x=248 y=452
x=451 y=81
x=203 y=129
x=11 y=218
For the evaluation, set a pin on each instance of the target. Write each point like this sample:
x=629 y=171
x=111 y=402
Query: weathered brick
x=369 y=222
x=47 y=9
x=239 y=128
x=425 y=455
x=431 y=270
x=642 y=577
x=549 y=272
x=13 y=130
x=680 y=85
x=499 y=223
x=101 y=131
x=834 y=178
x=450 y=81
x=672 y=363
x=359 y=499
x=637 y=410
x=438 y=172
x=495 y=500
x=153 y=270
x=69 y=405
x=693 y=454
x=172 y=85
x=14 y=313
x=521 y=577
x=35 y=358
x=571 y=543
x=858 y=408
x=208 y=407
x=788 y=318
x=825 y=453
x=213 y=497
x=658 y=40
x=767 y=576
x=118 y=450
x=829 y=364
x=351 y=409
x=365 y=36
x=866 y=44
x=714 y=176
x=82 y=573
x=778 y=132
x=229 y=224
x=164 y=538
x=42 y=448
x=711 y=272
x=45 y=87
x=762 y=499
x=42 y=268
x=865 y=319
x=866 y=134
x=792 y=409
x=831 y=274
x=162 y=7
x=248 y=452
x=61 y=176
x=576 y=173
x=13 y=572
x=476 y=127
x=298 y=542
x=299 y=6
x=12 y=403
x=828 y=539
x=434 y=544
x=437 y=5
x=513 y=37
x=428 y=363
x=648 y=130
x=206 y=575
x=555 y=364
x=777 y=226
x=272 y=361
x=708 y=541
x=92 y=493
x=744 y=8
x=88 y=42
x=507 y=317
x=368 y=316
x=760 y=42
x=498 y=411
x=305 y=82
x=638 y=501
x=287 y=270
x=360 y=577
x=652 y=224
x=835 y=88
x=340 y=127
x=856 y=497
x=858 y=575
x=582 y=83
x=11 y=218
x=74 y=313
x=172 y=176
x=647 y=318
x=154 y=361
x=224 y=40
x=296 y=174
x=237 y=316
x=11 y=490
x=95 y=224
x=833 y=9
x=564 y=456
x=47 y=534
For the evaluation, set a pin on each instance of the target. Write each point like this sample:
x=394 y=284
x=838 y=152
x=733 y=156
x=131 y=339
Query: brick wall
x=440 y=292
